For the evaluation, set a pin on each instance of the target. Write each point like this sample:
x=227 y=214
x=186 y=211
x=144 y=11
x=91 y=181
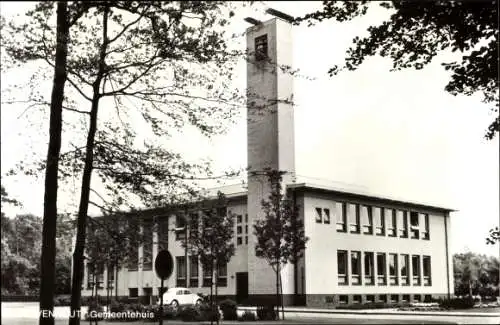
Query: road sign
x=164 y=264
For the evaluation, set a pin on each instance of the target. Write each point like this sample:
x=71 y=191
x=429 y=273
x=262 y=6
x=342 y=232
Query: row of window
x=240 y=224
x=393 y=298
x=182 y=278
x=161 y=228
x=95 y=276
x=147 y=291
x=352 y=270
x=370 y=220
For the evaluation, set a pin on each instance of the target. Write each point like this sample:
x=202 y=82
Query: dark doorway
x=241 y=286
x=148 y=295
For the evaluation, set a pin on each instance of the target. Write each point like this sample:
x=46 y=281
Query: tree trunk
x=107 y=287
x=78 y=255
x=116 y=281
x=281 y=300
x=277 y=290
x=48 y=256
x=216 y=276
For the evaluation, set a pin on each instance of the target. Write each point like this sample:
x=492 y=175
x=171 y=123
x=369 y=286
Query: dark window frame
x=343 y=278
x=341 y=225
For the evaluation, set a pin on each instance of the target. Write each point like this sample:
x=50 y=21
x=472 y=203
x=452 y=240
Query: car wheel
x=174 y=303
x=198 y=302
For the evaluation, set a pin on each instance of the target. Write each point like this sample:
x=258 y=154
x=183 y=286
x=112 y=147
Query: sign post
x=164 y=265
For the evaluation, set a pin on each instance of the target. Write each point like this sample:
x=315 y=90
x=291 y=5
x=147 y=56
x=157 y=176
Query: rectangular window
x=147 y=246
x=414 y=227
x=133 y=253
x=246 y=229
x=415 y=264
x=370 y=298
x=239 y=218
x=427 y=270
x=342 y=266
x=369 y=273
x=326 y=219
x=356 y=299
x=355 y=267
x=239 y=241
x=340 y=214
x=180 y=227
x=246 y=218
x=100 y=276
x=379 y=221
x=222 y=275
x=90 y=276
x=319 y=215
x=417 y=298
x=133 y=292
x=382 y=298
x=261 y=48
x=403 y=216
x=180 y=271
x=194 y=226
x=239 y=230
x=111 y=277
x=353 y=217
x=162 y=226
x=193 y=271
x=343 y=299
x=133 y=258
x=393 y=269
x=366 y=218
x=405 y=298
x=246 y=240
x=207 y=277
x=425 y=233
x=381 y=269
x=390 y=216
x=394 y=298
x=405 y=261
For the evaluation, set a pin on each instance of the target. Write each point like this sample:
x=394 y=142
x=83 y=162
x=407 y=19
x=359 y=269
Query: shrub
x=209 y=312
x=168 y=312
x=135 y=307
x=94 y=307
x=189 y=314
x=248 y=316
x=267 y=312
x=116 y=307
x=228 y=308
x=62 y=301
x=457 y=303
x=85 y=301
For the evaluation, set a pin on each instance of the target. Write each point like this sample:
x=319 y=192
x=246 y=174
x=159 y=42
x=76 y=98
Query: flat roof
x=364 y=194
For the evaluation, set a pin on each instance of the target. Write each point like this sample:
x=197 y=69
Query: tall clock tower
x=270 y=128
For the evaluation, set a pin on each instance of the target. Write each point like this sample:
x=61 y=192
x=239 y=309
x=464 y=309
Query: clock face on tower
x=261 y=48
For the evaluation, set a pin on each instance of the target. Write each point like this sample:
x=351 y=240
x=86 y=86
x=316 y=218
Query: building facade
x=361 y=248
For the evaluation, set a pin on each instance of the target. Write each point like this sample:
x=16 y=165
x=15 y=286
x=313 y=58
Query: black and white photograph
x=269 y=162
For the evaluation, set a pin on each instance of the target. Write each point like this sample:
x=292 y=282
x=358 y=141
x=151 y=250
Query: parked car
x=180 y=296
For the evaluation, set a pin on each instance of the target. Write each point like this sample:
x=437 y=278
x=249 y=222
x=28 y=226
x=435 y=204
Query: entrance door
x=241 y=286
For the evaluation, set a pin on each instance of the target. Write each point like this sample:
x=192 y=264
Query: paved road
x=27 y=314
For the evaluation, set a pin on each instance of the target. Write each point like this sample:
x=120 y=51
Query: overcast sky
x=393 y=133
